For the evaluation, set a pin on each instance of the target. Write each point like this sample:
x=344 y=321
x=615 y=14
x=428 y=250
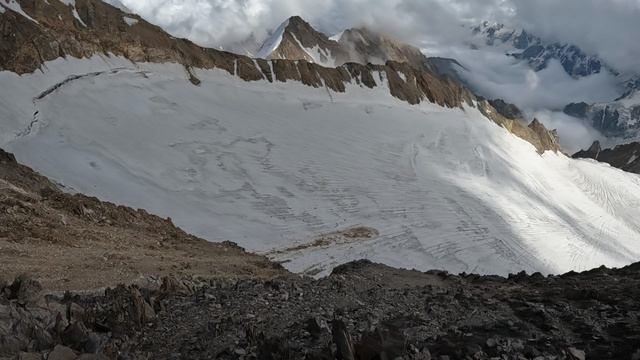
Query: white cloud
x=223 y=22
x=499 y=76
x=540 y=94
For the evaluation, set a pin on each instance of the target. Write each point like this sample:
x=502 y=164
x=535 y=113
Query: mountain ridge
x=101 y=29
x=625 y=157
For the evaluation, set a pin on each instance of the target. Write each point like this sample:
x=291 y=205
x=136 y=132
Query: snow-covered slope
x=273 y=166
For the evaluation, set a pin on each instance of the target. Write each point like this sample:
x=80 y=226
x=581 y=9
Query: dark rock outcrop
x=592 y=153
x=505 y=109
x=548 y=139
x=577 y=110
x=625 y=157
x=535 y=133
x=362 y=311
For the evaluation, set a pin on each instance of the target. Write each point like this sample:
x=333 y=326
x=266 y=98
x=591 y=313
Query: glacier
x=274 y=166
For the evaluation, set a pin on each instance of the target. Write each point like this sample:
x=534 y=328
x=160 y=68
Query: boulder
x=29 y=356
x=62 y=353
x=26 y=290
x=576 y=354
x=142 y=310
x=76 y=335
x=342 y=339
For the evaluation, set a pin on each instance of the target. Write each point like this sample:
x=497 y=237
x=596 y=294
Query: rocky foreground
x=361 y=311
x=76 y=242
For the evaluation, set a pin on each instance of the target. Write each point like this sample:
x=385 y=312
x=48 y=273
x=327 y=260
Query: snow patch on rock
x=130 y=21
x=272 y=43
x=14 y=6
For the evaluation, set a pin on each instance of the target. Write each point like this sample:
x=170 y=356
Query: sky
x=607 y=28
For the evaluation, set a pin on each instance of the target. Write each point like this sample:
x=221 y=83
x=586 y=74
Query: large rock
x=62 y=353
x=142 y=311
x=76 y=335
x=26 y=290
x=342 y=340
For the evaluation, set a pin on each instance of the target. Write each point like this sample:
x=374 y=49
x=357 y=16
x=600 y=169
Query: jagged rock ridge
x=625 y=157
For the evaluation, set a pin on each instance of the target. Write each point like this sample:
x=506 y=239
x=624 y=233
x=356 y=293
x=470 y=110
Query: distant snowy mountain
x=536 y=52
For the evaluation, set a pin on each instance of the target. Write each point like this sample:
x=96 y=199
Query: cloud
x=498 y=76
x=223 y=23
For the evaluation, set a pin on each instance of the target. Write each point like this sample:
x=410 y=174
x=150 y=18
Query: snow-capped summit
x=295 y=39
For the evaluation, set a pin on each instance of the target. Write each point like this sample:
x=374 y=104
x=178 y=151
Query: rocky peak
x=548 y=139
x=367 y=46
x=595 y=149
x=296 y=39
x=536 y=133
x=592 y=153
